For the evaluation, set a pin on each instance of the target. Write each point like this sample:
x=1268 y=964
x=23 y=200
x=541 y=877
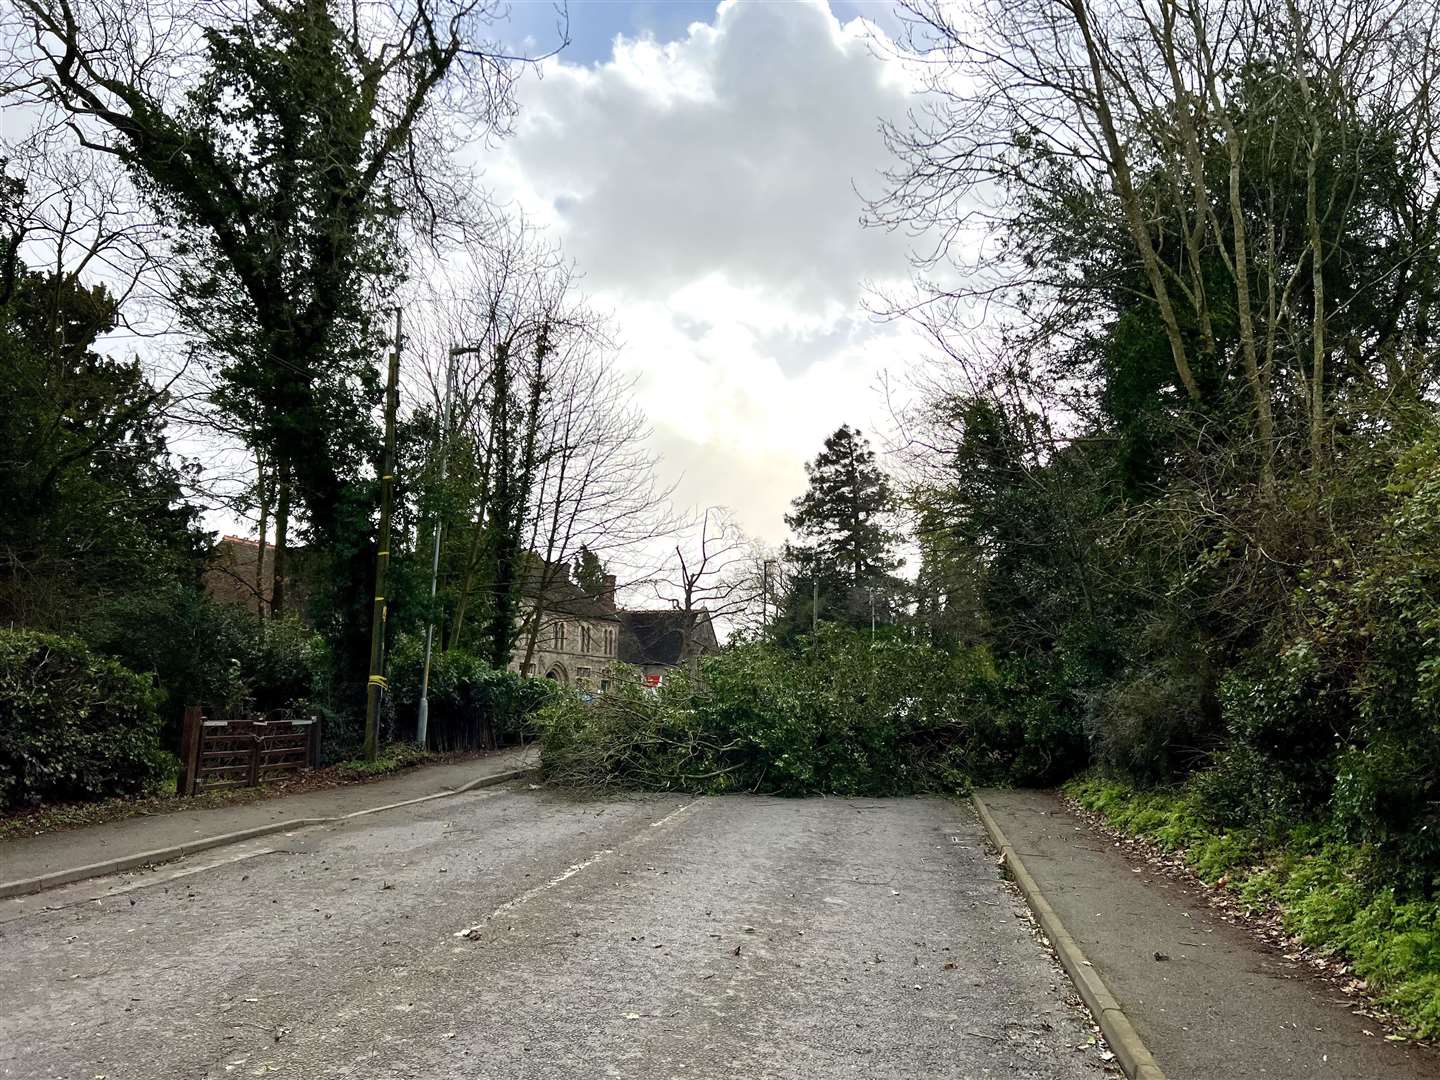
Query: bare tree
x=713 y=578
x=598 y=488
x=553 y=447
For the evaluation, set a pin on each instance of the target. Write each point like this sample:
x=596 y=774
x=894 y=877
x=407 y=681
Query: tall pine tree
x=844 y=540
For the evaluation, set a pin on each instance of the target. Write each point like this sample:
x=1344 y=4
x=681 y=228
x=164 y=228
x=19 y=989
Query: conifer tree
x=845 y=539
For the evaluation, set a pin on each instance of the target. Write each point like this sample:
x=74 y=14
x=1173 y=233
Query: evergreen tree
x=845 y=542
x=95 y=523
x=589 y=572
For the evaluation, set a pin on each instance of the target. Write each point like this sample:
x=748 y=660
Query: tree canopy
x=845 y=536
x=96 y=512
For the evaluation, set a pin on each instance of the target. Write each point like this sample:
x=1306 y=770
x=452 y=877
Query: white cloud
x=706 y=189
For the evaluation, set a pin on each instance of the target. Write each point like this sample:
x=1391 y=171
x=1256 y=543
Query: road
x=524 y=933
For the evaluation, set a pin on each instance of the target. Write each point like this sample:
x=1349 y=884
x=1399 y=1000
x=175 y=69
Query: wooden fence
x=246 y=752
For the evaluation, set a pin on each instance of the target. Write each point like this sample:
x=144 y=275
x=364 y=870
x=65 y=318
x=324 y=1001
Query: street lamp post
x=422 y=721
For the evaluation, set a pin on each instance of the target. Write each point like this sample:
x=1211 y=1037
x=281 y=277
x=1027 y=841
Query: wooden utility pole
x=376 y=685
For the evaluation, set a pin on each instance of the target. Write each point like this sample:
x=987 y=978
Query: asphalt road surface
x=520 y=933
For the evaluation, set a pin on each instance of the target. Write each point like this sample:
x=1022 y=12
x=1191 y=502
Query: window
x=559 y=635
x=582 y=678
x=609 y=642
x=585 y=639
x=604 y=685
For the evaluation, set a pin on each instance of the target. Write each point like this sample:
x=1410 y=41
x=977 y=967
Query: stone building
x=577 y=632
x=580 y=635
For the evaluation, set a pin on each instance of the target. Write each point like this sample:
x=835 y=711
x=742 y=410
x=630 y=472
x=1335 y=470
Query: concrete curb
x=56 y=878
x=1124 y=1040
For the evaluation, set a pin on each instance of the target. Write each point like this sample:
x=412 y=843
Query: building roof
x=563 y=596
x=658 y=637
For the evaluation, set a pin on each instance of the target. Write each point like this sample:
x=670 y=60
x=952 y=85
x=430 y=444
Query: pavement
x=1222 y=1005
x=52 y=852
x=523 y=933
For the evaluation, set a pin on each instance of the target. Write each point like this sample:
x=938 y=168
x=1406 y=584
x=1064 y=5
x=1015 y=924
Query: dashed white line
x=673 y=813
x=530 y=894
x=558 y=879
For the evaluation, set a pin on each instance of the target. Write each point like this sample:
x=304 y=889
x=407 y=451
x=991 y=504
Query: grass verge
x=390 y=759
x=1324 y=890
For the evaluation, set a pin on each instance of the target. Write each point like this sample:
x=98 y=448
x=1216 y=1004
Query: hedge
x=73 y=725
x=472 y=705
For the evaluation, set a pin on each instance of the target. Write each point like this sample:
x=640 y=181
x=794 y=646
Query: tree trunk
x=1265 y=423
x=1134 y=213
x=1256 y=377
x=500 y=625
x=263 y=493
x=1317 y=259
x=472 y=561
x=282 y=539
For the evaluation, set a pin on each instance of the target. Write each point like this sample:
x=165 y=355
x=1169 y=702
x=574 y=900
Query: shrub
x=472 y=705
x=287 y=666
x=634 y=737
x=73 y=725
x=1242 y=787
x=1148 y=723
x=393 y=758
x=1152 y=713
x=222 y=655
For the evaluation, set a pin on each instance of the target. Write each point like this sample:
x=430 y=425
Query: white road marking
x=558 y=879
x=673 y=813
x=530 y=894
x=148 y=881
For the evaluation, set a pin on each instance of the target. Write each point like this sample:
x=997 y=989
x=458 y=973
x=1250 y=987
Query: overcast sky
x=700 y=166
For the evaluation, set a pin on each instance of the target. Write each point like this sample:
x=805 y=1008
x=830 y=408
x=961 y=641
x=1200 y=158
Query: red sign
x=650 y=680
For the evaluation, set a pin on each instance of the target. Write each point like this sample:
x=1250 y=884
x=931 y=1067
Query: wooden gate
x=246 y=752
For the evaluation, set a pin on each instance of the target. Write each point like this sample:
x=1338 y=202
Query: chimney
x=607 y=592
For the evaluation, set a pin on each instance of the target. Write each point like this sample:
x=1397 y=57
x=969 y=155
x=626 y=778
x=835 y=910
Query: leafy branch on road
x=839 y=712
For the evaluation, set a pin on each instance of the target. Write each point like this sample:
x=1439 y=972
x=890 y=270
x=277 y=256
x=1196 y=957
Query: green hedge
x=73 y=725
x=472 y=705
